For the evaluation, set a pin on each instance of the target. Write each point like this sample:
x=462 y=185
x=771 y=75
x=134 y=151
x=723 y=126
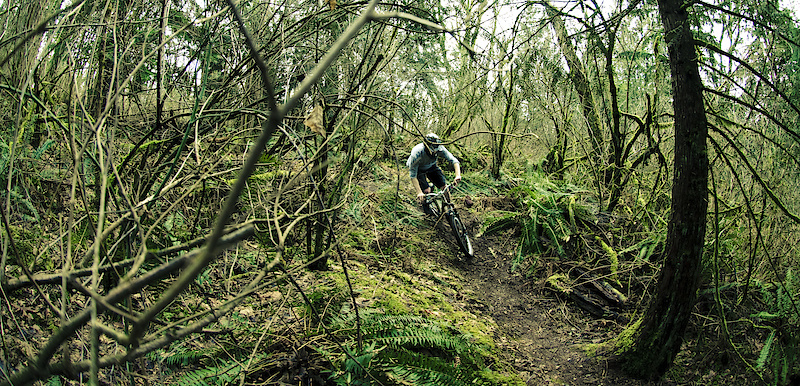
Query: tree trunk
x=658 y=338
x=579 y=81
x=499 y=140
x=616 y=162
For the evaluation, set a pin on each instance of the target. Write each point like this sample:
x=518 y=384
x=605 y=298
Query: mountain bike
x=439 y=205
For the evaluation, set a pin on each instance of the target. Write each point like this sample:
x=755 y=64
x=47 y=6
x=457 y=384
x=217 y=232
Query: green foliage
x=645 y=249
x=28 y=241
x=500 y=220
x=225 y=372
x=213 y=368
x=552 y=214
x=781 y=349
x=766 y=351
x=324 y=296
x=25 y=208
x=549 y=217
x=355 y=207
x=179 y=355
x=396 y=208
x=406 y=349
x=24 y=156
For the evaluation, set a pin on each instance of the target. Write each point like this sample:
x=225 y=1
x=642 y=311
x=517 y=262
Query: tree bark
x=658 y=338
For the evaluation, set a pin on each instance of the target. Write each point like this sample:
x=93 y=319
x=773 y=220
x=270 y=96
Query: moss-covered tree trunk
x=659 y=336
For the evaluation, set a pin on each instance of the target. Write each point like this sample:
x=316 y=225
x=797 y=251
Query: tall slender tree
x=579 y=80
x=660 y=333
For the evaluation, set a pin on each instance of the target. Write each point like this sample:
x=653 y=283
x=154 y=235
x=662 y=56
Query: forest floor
x=542 y=336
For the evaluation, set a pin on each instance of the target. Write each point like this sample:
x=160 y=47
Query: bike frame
x=440 y=205
x=446 y=205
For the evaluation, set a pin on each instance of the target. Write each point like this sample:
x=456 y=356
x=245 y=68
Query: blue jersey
x=420 y=160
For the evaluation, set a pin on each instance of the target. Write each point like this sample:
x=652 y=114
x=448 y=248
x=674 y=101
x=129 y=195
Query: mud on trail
x=541 y=335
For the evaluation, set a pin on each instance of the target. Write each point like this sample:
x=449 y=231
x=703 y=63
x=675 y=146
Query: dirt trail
x=540 y=335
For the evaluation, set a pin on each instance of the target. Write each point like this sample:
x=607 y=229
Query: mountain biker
x=422 y=166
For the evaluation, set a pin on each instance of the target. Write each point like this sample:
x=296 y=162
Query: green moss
x=475 y=327
x=28 y=242
x=428 y=291
x=25 y=241
x=358 y=238
x=392 y=303
x=625 y=340
x=613 y=258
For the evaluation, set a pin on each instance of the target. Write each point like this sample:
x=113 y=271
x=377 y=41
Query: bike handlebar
x=431 y=196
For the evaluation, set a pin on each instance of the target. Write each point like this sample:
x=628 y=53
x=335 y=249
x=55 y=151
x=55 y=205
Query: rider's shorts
x=434 y=174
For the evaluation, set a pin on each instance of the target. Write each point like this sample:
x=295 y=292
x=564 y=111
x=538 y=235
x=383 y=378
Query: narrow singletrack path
x=543 y=337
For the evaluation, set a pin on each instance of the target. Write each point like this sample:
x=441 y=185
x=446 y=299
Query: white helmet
x=433 y=142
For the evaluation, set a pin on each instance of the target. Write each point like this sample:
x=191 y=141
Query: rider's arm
x=417 y=188
x=413 y=167
x=456 y=164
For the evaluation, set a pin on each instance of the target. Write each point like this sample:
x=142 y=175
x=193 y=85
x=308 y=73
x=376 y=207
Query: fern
x=37 y=154
x=180 y=356
x=780 y=351
x=550 y=217
x=27 y=210
x=419 y=369
x=408 y=330
x=225 y=373
x=499 y=221
x=412 y=350
x=765 y=351
x=421 y=336
x=54 y=381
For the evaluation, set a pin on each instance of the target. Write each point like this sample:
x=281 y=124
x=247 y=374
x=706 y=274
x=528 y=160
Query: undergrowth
x=780 y=355
x=549 y=216
x=407 y=349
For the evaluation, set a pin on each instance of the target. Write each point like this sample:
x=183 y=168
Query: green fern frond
x=37 y=154
x=195 y=378
x=413 y=351
x=54 y=381
x=183 y=357
x=422 y=377
x=765 y=351
x=419 y=369
x=383 y=321
x=409 y=330
x=424 y=337
x=550 y=217
x=500 y=221
x=223 y=374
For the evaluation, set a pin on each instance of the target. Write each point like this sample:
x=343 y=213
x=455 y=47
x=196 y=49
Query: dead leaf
x=247 y=312
x=332 y=3
x=315 y=122
x=273 y=296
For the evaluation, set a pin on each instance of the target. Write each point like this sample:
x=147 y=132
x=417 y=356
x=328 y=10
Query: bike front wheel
x=460 y=232
x=435 y=209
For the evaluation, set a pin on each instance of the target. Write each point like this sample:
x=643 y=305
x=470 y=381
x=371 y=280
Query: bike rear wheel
x=460 y=232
